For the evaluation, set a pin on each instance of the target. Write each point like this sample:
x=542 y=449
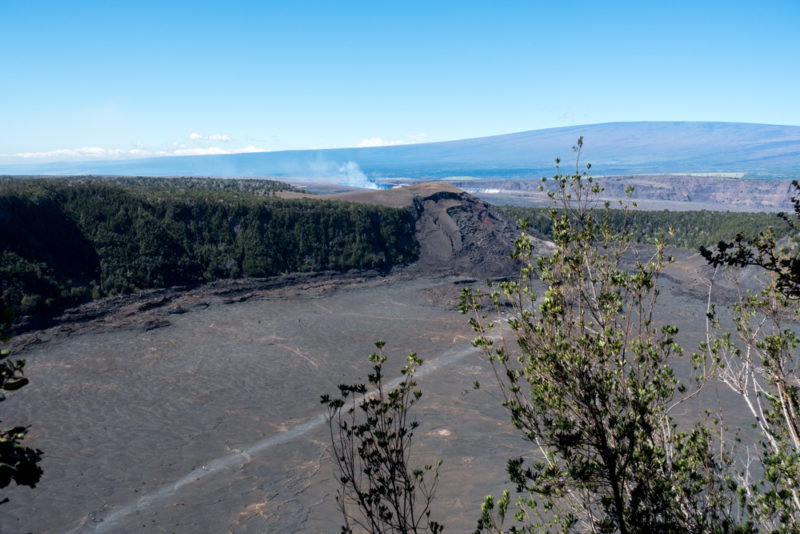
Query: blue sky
x=103 y=80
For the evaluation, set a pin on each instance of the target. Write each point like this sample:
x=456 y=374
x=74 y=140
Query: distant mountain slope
x=756 y=150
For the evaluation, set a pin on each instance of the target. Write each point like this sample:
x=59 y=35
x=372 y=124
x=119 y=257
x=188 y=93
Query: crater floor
x=208 y=420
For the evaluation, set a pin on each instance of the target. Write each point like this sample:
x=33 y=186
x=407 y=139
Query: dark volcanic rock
x=151 y=309
x=457 y=232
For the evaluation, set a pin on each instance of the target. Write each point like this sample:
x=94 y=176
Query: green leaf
x=15 y=383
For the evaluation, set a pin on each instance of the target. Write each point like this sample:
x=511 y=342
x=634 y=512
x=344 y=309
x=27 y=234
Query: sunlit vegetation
x=684 y=229
x=69 y=240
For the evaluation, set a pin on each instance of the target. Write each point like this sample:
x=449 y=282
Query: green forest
x=682 y=229
x=69 y=240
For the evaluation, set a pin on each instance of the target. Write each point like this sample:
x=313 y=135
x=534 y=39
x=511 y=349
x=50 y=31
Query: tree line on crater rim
x=74 y=240
x=88 y=237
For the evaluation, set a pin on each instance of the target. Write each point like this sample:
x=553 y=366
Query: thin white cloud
x=212 y=137
x=214 y=150
x=378 y=141
x=88 y=152
x=199 y=151
x=98 y=153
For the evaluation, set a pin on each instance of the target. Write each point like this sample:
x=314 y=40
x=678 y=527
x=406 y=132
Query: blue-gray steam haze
x=311 y=166
x=327 y=171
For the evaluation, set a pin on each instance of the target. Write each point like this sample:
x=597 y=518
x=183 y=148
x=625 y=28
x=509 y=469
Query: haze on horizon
x=96 y=81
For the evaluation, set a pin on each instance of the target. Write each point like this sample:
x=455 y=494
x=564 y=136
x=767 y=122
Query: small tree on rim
x=371 y=431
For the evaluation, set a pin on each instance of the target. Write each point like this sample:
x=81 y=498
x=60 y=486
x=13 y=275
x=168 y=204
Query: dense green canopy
x=683 y=229
x=67 y=240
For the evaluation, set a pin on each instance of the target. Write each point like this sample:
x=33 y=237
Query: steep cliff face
x=457 y=232
x=725 y=193
x=675 y=192
x=460 y=233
